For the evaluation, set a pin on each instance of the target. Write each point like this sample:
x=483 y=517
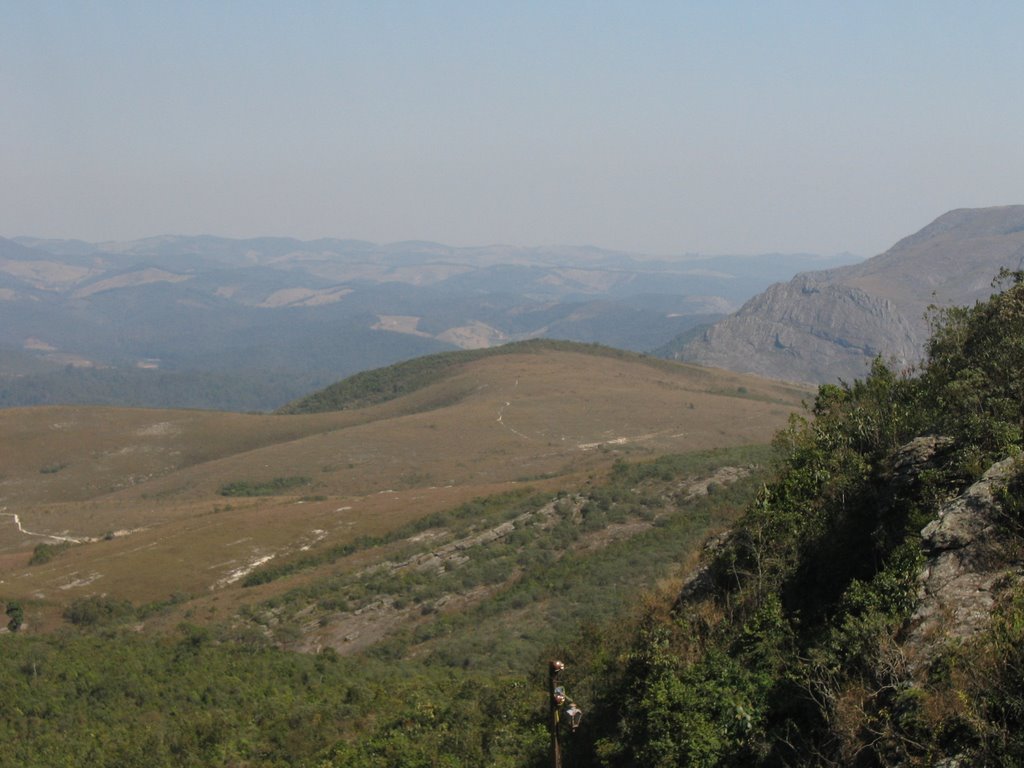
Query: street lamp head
x=574 y=715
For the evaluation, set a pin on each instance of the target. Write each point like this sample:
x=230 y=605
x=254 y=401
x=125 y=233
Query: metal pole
x=554 y=668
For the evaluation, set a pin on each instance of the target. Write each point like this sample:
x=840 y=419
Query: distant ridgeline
x=252 y=312
x=237 y=390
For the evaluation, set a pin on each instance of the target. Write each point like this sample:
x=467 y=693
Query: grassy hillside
x=173 y=495
x=383 y=384
x=452 y=681
x=449 y=537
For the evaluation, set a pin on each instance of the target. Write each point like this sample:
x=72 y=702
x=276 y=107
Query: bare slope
x=827 y=325
x=141 y=490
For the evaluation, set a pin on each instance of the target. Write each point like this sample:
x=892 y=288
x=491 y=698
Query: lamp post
x=560 y=710
x=554 y=668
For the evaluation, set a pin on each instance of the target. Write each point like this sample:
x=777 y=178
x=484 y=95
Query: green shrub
x=16 y=616
x=264 y=488
x=98 y=610
x=44 y=553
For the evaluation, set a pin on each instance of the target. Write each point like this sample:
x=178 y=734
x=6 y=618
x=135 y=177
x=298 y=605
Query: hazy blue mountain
x=277 y=306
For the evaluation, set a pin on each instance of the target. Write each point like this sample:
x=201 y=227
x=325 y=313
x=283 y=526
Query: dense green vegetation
x=789 y=652
x=383 y=384
x=121 y=700
x=459 y=688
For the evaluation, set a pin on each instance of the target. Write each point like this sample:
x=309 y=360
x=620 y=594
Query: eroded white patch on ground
x=242 y=571
x=159 y=429
x=316 y=536
x=82 y=582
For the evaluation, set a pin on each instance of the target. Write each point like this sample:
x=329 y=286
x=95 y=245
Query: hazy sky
x=658 y=127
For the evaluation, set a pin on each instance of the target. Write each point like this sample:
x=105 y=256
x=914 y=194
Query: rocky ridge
x=828 y=325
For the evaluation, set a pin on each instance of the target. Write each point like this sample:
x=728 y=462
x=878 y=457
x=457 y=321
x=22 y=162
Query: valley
x=250 y=324
x=511 y=385
x=377 y=572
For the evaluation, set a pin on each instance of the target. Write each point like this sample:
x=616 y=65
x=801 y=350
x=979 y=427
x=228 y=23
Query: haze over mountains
x=826 y=325
x=251 y=324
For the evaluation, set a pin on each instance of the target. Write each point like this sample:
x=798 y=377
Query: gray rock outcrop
x=968 y=556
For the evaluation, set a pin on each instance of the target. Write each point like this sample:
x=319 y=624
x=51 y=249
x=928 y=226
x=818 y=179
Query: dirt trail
x=17 y=522
x=501 y=417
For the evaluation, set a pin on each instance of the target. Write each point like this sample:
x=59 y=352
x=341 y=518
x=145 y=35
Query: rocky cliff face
x=808 y=330
x=823 y=326
x=970 y=553
x=969 y=556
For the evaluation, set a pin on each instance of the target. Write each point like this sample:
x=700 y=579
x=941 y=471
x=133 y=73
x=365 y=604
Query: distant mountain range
x=829 y=324
x=251 y=324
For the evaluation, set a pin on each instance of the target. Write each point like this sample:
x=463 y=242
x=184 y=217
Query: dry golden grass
x=143 y=485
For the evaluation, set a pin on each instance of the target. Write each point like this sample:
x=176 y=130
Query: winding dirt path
x=17 y=522
x=501 y=418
